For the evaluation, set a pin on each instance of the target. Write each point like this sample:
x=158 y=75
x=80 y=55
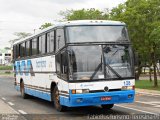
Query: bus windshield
x=83 y=62
x=77 y=34
x=117 y=60
x=99 y=62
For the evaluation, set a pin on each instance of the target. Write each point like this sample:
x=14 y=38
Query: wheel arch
x=53 y=85
x=21 y=80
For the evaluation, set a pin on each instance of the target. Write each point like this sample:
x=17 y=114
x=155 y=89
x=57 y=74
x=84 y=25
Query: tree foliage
x=7 y=48
x=143 y=20
x=45 y=25
x=85 y=14
x=21 y=35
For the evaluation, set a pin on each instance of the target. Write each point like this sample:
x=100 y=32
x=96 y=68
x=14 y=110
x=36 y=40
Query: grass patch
x=146 y=84
x=6 y=67
x=6 y=74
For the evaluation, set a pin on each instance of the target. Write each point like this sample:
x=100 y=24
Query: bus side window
x=14 y=52
x=22 y=49
x=58 y=63
x=28 y=48
x=59 y=39
x=17 y=51
x=64 y=65
x=34 y=46
x=50 y=42
x=42 y=44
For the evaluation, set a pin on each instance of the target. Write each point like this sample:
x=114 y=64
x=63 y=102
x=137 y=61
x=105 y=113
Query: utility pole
x=34 y=31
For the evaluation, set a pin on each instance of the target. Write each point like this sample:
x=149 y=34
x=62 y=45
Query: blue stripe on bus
x=36 y=93
x=91 y=99
x=23 y=66
x=17 y=88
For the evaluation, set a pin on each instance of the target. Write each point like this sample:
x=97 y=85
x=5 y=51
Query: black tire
x=22 y=90
x=56 y=100
x=108 y=106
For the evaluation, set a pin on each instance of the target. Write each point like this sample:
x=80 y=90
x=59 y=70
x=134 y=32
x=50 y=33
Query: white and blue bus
x=77 y=63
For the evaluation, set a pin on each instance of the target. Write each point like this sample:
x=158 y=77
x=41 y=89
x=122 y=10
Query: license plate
x=105 y=98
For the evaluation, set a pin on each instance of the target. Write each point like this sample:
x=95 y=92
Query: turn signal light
x=128 y=87
x=73 y=91
x=80 y=91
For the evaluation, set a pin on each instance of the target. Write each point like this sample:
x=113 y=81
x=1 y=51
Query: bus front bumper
x=90 y=99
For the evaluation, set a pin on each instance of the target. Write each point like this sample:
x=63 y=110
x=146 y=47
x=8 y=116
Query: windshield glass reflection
x=84 y=61
x=89 y=62
x=117 y=57
x=77 y=34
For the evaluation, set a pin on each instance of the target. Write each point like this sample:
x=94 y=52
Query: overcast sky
x=27 y=15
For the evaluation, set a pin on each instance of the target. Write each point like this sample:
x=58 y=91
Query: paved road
x=144 y=104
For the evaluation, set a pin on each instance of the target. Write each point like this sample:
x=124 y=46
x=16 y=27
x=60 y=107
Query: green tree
x=19 y=35
x=45 y=25
x=85 y=14
x=7 y=48
x=142 y=17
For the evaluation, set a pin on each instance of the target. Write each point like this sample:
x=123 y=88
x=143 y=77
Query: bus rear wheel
x=108 y=106
x=56 y=99
x=22 y=90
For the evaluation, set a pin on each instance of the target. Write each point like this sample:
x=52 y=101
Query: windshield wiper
x=99 y=66
x=113 y=71
x=96 y=70
x=114 y=52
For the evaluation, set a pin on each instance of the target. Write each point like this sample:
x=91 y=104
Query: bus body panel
x=90 y=99
x=38 y=83
x=99 y=85
x=94 y=98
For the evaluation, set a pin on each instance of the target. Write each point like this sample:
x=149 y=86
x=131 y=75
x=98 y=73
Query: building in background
x=5 y=57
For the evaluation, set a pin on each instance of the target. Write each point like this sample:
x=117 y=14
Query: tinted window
x=34 y=46
x=118 y=58
x=22 y=49
x=59 y=39
x=64 y=65
x=50 y=41
x=85 y=62
x=28 y=48
x=17 y=51
x=97 y=34
x=42 y=45
x=14 y=52
x=58 y=61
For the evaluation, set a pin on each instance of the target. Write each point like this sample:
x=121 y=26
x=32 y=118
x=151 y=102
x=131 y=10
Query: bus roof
x=75 y=23
x=90 y=22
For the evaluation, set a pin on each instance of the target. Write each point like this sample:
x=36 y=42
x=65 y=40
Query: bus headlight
x=128 y=88
x=80 y=91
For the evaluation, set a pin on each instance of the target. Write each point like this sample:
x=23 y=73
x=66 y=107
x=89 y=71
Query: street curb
x=145 y=91
x=4 y=76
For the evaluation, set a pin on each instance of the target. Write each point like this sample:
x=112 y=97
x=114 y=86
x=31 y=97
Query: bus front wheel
x=56 y=99
x=22 y=90
x=108 y=106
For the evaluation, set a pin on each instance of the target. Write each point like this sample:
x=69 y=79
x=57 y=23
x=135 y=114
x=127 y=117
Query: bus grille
x=110 y=90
